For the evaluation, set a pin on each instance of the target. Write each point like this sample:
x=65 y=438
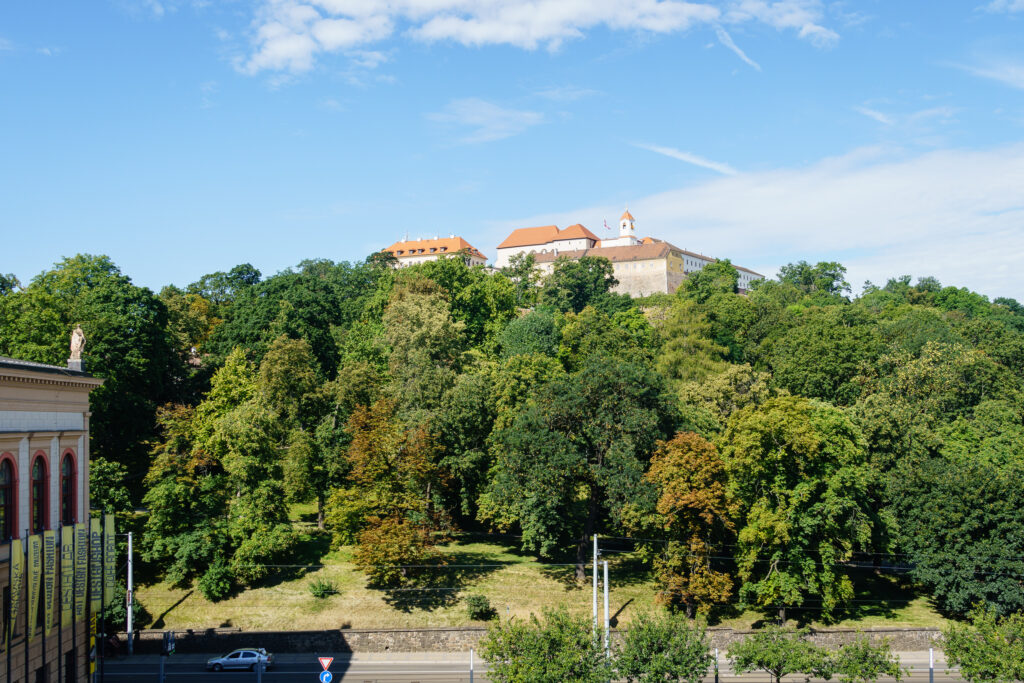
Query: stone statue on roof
x=77 y=343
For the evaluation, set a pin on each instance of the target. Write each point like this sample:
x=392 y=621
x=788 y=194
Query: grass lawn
x=515 y=583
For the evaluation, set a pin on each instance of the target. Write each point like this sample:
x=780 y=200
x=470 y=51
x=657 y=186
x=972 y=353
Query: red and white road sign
x=325 y=662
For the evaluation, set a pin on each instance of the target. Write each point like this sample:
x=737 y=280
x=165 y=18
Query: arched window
x=38 y=498
x=67 y=489
x=8 y=488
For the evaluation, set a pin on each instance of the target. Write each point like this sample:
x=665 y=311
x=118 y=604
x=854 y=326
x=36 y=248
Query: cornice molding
x=88 y=383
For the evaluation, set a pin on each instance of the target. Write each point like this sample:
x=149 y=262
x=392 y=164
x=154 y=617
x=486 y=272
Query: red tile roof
x=627 y=215
x=442 y=245
x=528 y=237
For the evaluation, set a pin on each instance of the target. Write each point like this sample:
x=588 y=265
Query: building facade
x=643 y=266
x=44 y=492
x=411 y=252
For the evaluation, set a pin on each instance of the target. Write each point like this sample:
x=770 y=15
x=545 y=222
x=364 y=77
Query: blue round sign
x=325 y=677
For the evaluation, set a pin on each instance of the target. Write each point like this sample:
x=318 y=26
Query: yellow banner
x=49 y=578
x=81 y=569
x=109 y=560
x=95 y=565
x=17 y=579
x=67 y=574
x=35 y=576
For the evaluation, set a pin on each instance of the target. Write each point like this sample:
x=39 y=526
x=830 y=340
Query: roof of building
x=18 y=364
x=648 y=248
x=438 y=245
x=627 y=216
x=528 y=237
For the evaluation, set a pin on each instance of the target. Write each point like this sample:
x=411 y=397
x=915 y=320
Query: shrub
x=217 y=582
x=780 y=651
x=561 y=648
x=664 y=647
x=990 y=648
x=862 y=662
x=322 y=588
x=478 y=608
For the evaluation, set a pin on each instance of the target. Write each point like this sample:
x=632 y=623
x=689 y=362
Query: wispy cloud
x=954 y=213
x=288 y=35
x=875 y=114
x=6 y=44
x=1007 y=72
x=566 y=93
x=486 y=121
x=1005 y=6
x=689 y=158
x=726 y=40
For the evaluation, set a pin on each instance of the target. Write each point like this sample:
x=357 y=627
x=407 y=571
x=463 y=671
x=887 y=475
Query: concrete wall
x=457 y=639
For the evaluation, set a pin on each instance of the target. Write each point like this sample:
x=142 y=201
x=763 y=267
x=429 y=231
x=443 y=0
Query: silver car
x=243 y=658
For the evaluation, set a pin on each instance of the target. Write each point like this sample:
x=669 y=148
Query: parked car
x=242 y=658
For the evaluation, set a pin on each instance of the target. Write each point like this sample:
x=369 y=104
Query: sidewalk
x=916 y=661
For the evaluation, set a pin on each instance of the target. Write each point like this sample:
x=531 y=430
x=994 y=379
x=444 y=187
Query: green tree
x=426 y=346
x=127 y=345
x=715 y=278
x=688 y=354
x=665 y=647
x=560 y=648
x=577 y=452
x=961 y=523
x=522 y=271
x=824 y=353
x=862 y=662
x=535 y=332
x=990 y=648
x=798 y=469
x=780 y=652
x=826 y=277
x=8 y=283
x=575 y=284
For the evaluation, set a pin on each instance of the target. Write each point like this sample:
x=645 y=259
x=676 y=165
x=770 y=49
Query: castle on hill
x=643 y=266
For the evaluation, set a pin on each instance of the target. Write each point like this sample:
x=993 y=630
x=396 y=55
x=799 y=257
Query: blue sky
x=183 y=137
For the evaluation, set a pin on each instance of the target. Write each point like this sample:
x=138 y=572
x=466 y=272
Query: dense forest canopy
x=761 y=443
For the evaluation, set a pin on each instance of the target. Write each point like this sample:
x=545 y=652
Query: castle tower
x=627 y=226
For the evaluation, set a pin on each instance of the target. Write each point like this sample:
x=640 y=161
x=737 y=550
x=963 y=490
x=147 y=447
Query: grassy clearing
x=516 y=585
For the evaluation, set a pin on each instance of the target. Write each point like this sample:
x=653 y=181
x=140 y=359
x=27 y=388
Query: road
x=395 y=668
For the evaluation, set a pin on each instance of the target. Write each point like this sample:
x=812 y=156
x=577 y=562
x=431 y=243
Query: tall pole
x=131 y=621
x=607 y=647
x=595 y=585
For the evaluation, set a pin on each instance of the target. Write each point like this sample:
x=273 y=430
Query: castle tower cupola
x=627 y=226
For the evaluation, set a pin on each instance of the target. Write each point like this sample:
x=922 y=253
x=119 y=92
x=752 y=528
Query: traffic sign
x=325 y=676
x=325 y=662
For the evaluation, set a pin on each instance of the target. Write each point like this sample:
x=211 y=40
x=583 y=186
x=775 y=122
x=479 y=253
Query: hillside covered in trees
x=755 y=447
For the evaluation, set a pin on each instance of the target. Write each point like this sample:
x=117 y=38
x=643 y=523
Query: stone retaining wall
x=460 y=639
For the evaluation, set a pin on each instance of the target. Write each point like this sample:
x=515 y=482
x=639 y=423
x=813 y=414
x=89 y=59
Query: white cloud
x=289 y=34
x=487 y=121
x=875 y=114
x=800 y=15
x=566 y=93
x=6 y=44
x=1006 y=72
x=726 y=40
x=956 y=214
x=1005 y=6
x=689 y=158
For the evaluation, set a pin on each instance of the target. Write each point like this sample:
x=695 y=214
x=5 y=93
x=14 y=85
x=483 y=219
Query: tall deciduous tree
x=696 y=512
x=575 y=284
x=127 y=345
x=798 y=469
x=577 y=452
